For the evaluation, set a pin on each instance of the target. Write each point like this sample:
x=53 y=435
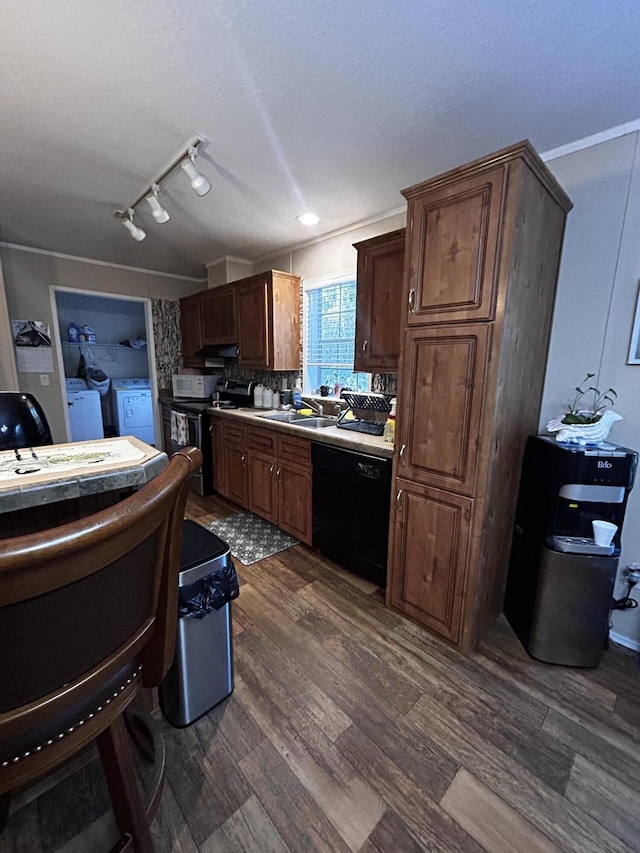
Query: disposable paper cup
x=603 y=532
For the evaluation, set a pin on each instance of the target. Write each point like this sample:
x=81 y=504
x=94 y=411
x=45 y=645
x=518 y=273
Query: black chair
x=22 y=421
x=88 y=614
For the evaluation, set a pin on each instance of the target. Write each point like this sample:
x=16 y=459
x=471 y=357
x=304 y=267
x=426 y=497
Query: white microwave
x=196 y=386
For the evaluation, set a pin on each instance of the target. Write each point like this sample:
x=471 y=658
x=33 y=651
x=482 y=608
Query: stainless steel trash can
x=201 y=675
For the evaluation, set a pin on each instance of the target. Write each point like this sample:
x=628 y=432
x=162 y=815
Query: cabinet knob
x=403 y=447
x=399 y=500
x=211 y=430
x=364 y=345
x=242 y=458
x=278 y=473
x=412 y=300
x=271 y=470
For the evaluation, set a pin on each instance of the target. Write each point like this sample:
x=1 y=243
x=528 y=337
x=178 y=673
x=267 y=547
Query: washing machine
x=133 y=409
x=85 y=411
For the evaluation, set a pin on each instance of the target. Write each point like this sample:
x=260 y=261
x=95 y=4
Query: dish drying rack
x=369 y=410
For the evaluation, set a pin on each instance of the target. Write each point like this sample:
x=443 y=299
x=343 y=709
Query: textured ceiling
x=333 y=106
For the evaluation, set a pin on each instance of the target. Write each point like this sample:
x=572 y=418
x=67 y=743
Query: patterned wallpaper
x=165 y=315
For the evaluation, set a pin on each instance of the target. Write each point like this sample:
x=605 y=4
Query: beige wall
x=329 y=256
x=27 y=277
x=595 y=305
x=8 y=373
x=227 y=269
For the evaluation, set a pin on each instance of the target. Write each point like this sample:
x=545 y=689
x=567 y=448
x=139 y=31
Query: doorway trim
x=151 y=350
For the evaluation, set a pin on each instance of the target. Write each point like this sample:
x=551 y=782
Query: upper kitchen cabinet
x=379 y=302
x=191 y=330
x=218 y=316
x=484 y=244
x=268 y=321
x=452 y=246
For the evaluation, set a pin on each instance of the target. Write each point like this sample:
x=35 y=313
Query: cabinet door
x=218 y=316
x=217 y=447
x=379 y=302
x=262 y=486
x=453 y=236
x=261 y=444
x=438 y=425
x=235 y=466
x=253 y=324
x=191 y=331
x=235 y=462
x=294 y=500
x=428 y=556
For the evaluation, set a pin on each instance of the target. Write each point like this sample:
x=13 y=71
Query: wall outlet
x=44 y=379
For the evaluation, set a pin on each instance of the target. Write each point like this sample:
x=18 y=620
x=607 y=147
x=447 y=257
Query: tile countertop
x=63 y=471
x=348 y=439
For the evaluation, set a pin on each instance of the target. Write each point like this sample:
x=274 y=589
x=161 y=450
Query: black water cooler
x=560 y=584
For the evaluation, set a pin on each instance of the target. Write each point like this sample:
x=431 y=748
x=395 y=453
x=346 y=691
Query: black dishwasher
x=351 y=496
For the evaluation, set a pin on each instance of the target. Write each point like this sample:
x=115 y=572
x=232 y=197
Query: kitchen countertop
x=349 y=440
x=63 y=471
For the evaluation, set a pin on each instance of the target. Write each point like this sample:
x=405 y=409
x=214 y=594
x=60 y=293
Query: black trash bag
x=209 y=593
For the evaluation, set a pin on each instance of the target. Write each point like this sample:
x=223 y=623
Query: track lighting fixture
x=137 y=233
x=157 y=210
x=199 y=183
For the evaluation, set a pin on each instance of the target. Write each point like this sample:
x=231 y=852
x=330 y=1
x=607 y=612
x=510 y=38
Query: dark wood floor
x=351 y=729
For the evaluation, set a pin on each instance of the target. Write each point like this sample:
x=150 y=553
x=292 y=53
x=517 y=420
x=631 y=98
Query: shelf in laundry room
x=105 y=344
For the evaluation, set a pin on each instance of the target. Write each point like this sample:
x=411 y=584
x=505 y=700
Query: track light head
x=159 y=213
x=137 y=233
x=199 y=183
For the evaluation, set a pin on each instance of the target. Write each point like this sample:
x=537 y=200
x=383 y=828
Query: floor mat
x=251 y=538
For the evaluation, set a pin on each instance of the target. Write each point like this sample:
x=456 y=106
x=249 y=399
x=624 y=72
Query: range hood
x=218 y=351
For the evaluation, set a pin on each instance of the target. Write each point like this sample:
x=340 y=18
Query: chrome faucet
x=317 y=407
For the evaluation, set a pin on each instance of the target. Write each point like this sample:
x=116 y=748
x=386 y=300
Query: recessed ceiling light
x=308 y=219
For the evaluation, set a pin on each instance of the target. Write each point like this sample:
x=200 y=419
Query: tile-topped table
x=70 y=480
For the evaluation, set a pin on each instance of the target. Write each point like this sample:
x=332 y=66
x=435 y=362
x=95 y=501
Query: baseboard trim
x=621 y=640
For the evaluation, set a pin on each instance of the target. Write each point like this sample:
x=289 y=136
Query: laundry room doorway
x=107 y=342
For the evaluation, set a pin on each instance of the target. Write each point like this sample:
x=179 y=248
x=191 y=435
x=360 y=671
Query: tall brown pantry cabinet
x=482 y=255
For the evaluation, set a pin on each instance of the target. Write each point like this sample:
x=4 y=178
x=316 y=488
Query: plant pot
x=584 y=433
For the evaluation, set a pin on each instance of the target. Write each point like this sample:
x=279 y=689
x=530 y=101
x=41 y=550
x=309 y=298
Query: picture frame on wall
x=634 y=349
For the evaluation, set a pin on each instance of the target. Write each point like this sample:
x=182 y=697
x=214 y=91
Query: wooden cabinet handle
x=364 y=345
x=398 y=500
x=412 y=300
x=403 y=447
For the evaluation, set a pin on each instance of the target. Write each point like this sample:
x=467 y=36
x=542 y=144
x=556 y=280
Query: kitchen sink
x=309 y=421
x=284 y=417
x=316 y=423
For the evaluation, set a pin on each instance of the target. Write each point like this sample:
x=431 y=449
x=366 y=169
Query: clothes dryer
x=133 y=409
x=85 y=411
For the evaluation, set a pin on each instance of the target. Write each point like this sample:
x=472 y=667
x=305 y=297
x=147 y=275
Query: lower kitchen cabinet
x=294 y=500
x=216 y=430
x=235 y=463
x=262 y=474
x=428 y=555
x=279 y=475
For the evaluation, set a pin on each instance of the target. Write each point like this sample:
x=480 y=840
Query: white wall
x=595 y=305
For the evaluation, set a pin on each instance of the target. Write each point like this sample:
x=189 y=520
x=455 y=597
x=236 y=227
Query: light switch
x=44 y=379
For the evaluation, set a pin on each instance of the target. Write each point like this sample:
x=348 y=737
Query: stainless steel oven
x=187 y=424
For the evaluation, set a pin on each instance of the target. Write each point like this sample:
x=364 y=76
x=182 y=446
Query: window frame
x=317 y=283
